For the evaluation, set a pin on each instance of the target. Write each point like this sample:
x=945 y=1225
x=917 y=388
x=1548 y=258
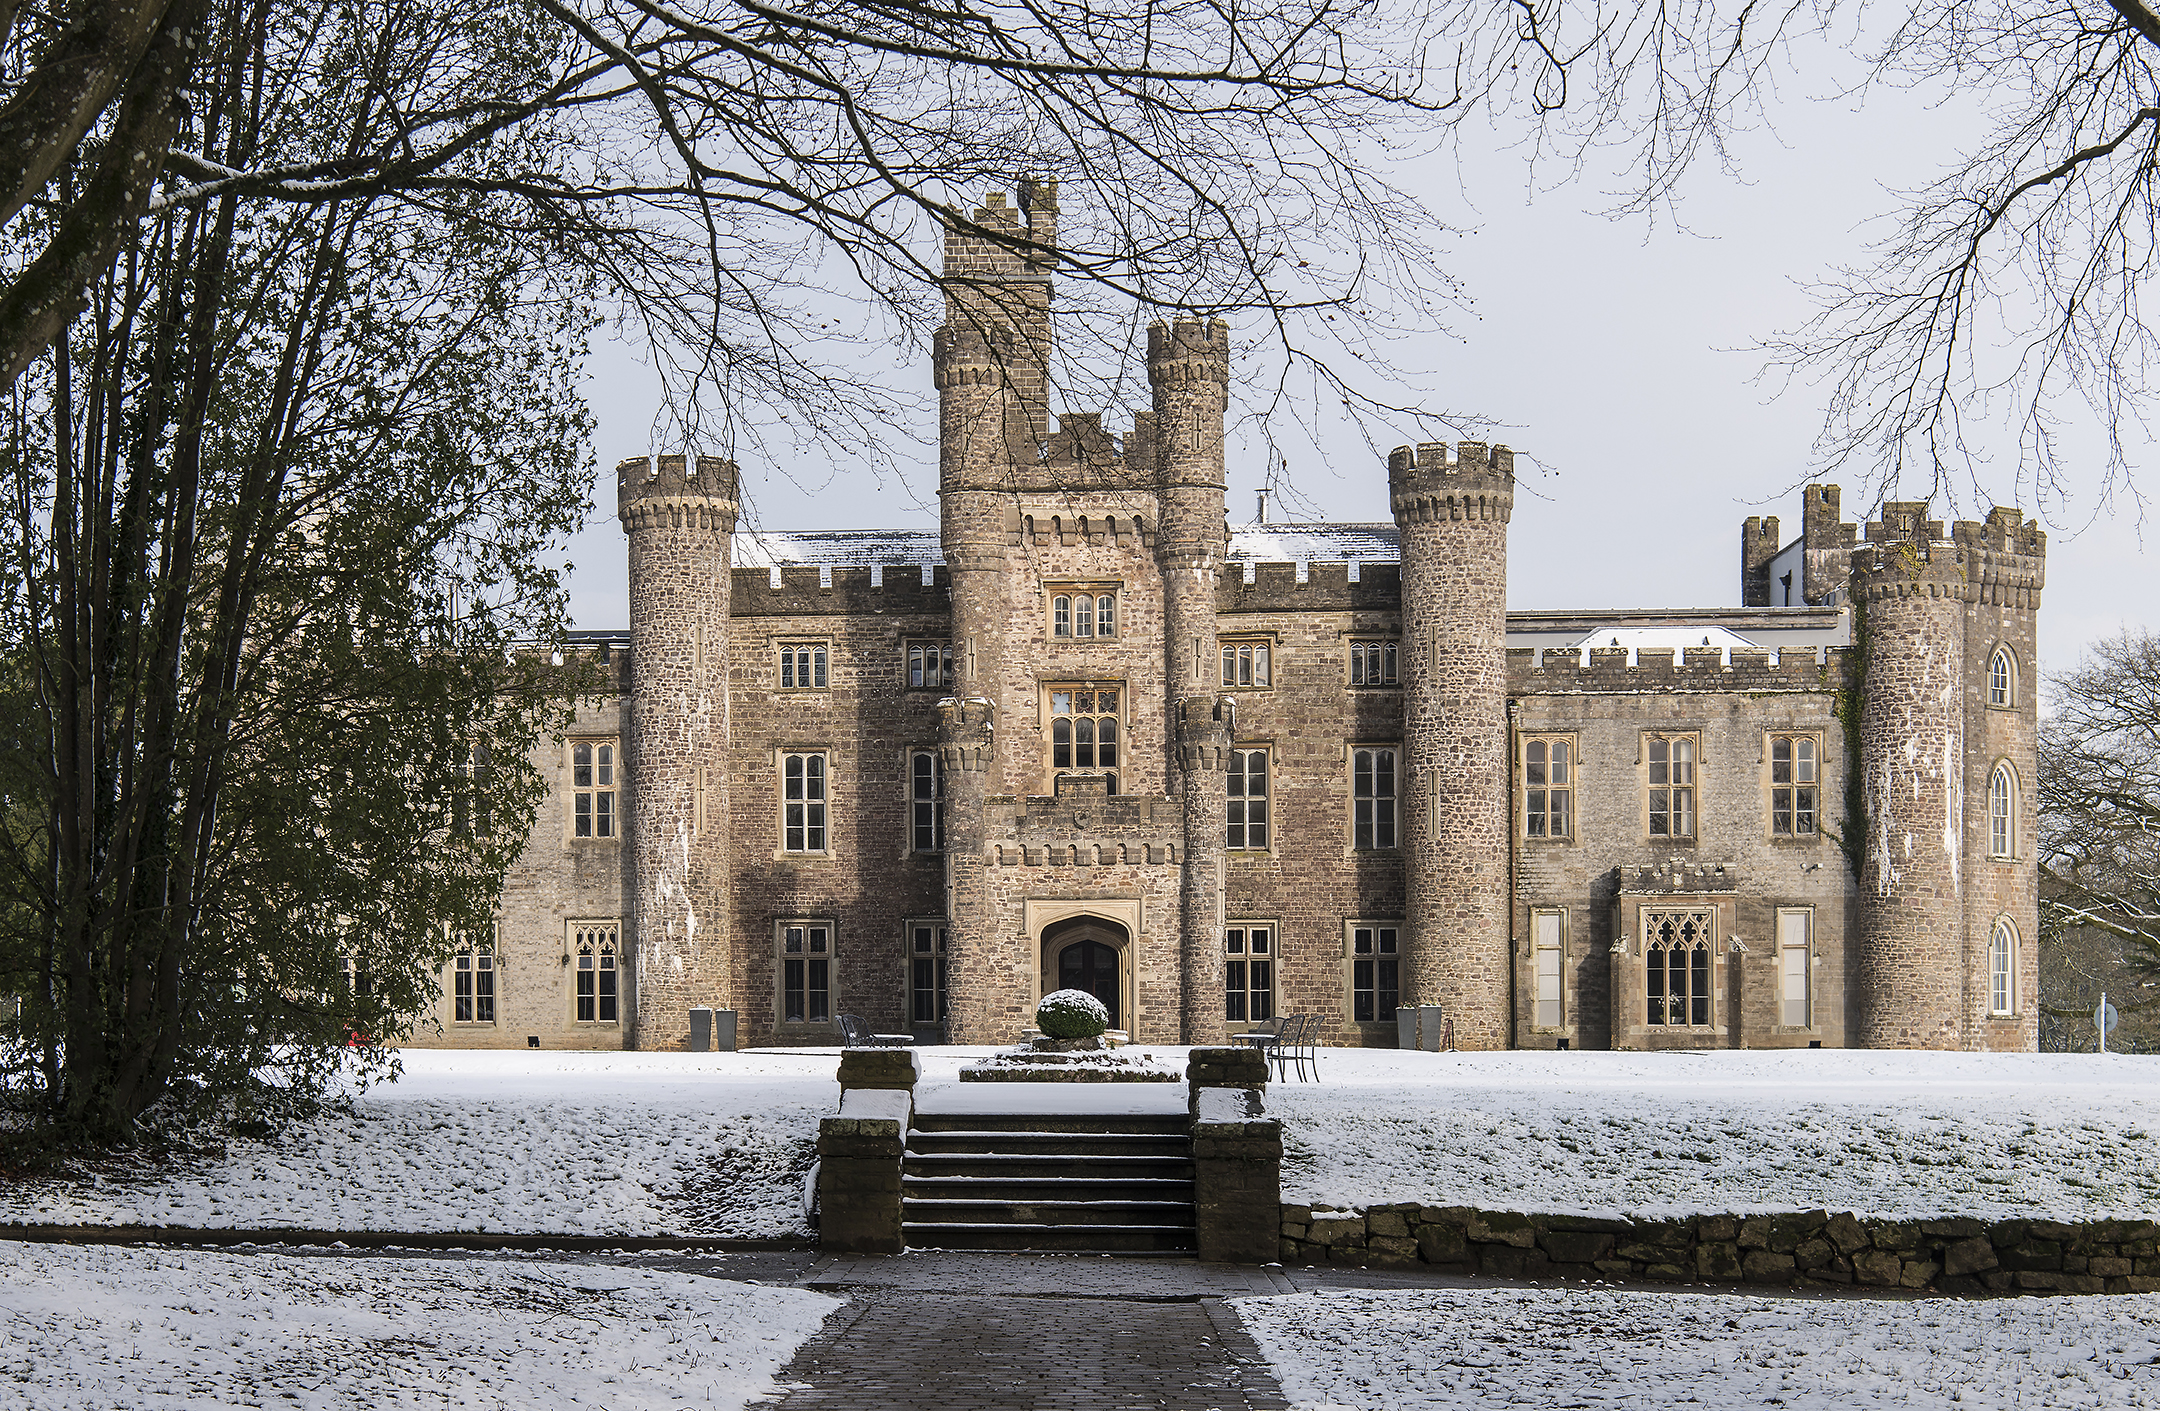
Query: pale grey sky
x=1616 y=352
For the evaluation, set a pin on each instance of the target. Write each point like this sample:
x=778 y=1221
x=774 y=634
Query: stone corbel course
x=1810 y=1248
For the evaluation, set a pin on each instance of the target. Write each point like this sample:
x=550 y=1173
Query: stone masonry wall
x=1806 y=1249
x=1454 y=516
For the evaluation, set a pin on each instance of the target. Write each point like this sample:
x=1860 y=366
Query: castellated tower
x=1949 y=889
x=1189 y=367
x=1453 y=516
x=680 y=516
x=990 y=363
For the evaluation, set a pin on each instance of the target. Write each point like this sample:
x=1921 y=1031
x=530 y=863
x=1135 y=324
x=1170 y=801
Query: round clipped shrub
x=1071 y=1014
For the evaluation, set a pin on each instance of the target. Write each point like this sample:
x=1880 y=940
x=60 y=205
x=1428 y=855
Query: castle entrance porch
x=1093 y=954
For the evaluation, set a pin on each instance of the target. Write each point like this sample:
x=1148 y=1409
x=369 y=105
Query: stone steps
x=1048 y=1181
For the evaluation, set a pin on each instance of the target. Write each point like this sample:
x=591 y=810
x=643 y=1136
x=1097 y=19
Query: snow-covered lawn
x=507 y=1142
x=151 y=1329
x=2063 y=1136
x=1470 y=1349
x=628 y=1144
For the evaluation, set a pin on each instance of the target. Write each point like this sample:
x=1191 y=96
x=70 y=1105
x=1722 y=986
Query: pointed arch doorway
x=1091 y=953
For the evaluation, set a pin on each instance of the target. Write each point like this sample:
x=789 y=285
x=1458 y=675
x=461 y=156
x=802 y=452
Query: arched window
x=2002 y=811
x=2002 y=969
x=1676 y=964
x=2002 y=678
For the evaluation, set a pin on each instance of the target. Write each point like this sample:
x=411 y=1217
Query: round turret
x=1453 y=517
x=680 y=516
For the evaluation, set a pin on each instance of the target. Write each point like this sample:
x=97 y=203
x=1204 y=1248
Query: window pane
x=1061 y=616
x=1105 y=616
x=1061 y=744
x=604 y=815
x=1083 y=616
x=584 y=815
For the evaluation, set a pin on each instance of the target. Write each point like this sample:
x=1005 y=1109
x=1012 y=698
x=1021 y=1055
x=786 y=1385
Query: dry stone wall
x=1804 y=1249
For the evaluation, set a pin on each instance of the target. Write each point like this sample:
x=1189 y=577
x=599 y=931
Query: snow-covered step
x=1057 y=1187
x=1046 y=1212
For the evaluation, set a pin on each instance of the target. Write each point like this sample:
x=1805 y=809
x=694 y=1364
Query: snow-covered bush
x=1071 y=1014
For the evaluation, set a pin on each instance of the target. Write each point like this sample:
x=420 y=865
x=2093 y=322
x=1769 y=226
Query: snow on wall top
x=861 y=548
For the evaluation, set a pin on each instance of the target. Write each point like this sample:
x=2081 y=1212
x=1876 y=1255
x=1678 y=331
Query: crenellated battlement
x=1189 y=350
x=1426 y=486
x=1609 y=670
x=2000 y=561
x=1316 y=586
x=807 y=590
x=676 y=492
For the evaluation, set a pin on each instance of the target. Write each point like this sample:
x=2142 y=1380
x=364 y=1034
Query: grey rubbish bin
x=723 y=1030
x=1429 y=1027
x=1406 y=1027
x=700 y=1029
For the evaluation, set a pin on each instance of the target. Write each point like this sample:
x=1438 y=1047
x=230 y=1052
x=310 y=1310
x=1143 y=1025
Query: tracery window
x=599 y=997
x=1372 y=663
x=1677 y=967
x=1084 y=728
x=1246 y=664
x=1080 y=614
x=2002 y=969
x=929 y=666
x=802 y=666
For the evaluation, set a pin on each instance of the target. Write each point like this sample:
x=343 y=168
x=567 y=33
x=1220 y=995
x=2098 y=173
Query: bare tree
x=2100 y=832
x=2004 y=305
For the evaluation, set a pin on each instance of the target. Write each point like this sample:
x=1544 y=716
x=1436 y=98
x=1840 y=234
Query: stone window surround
x=820 y=663
x=1069 y=589
x=912 y=779
x=600 y=933
x=1130 y=912
x=941 y=929
x=2003 y=935
x=1813 y=962
x=2005 y=656
x=833 y=1002
x=1693 y=735
x=1265 y=749
x=1388 y=651
x=613 y=790
x=1560 y=1023
x=1573 y=741
x=485 y=951
x=1247 y=653
x=1770 y=786
x=1246 y=925
x=1376 y=924
x=1713 y=943
x=926 y=651
x=2004 y=787
x=780 y=757
x=1395 y=799
x=1122 y=715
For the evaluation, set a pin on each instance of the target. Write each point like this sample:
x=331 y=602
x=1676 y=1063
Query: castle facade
x=1088 y=735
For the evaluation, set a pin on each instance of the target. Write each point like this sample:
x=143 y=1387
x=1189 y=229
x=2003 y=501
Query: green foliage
x=1071 y=1014
x=280 y=511
x=1847 y=706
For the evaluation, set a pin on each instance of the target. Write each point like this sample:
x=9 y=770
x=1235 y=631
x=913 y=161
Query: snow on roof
x=1324 y=543
x=860 y=548
x=1660 y=638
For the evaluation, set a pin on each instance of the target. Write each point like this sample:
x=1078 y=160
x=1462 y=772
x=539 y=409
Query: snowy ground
x=1472 y=1349
x=2064 y=1136
x=96 y=1328
x=621 y=1144
x=507 y=1142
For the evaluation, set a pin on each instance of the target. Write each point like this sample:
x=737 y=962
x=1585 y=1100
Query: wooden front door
x=1093 y=967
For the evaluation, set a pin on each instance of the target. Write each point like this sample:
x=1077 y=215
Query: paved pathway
x=910 y=1351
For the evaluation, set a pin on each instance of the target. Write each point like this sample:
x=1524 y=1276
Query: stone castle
x=1089 y=735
